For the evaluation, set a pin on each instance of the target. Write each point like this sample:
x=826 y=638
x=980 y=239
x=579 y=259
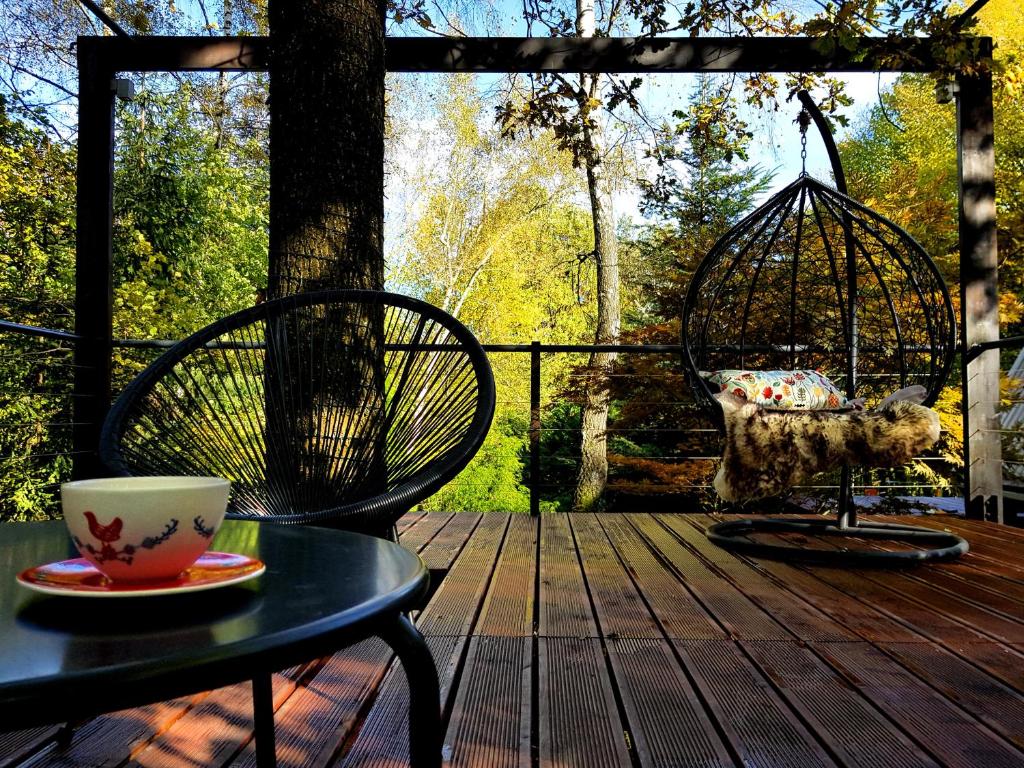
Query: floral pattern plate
x=80 y=578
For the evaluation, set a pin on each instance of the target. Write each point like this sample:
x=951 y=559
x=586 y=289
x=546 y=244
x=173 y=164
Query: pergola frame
x=101 y=58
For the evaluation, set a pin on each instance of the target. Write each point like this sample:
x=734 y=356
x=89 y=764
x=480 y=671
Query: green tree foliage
x=190 y=227
x=493 y=231
x=493 y=238
x=37 y=196
x=190 y=245
x=494 y=479
x=704 y=186
x=493 y=227
x=902 y=162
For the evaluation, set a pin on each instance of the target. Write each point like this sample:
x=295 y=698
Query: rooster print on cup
x=110 y=533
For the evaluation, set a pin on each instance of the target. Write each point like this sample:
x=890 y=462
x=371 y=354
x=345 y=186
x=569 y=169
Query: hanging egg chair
x=813 y=279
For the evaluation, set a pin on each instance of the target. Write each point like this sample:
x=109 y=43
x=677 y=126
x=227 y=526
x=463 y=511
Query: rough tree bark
x=593 y=475
x=326 y=231
x=327 y=145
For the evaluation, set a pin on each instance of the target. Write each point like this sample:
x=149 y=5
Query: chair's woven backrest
x=339 y=407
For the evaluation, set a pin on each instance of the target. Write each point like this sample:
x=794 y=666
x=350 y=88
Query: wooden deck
x=629 y=640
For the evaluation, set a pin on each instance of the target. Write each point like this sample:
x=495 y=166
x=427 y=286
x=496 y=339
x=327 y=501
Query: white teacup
x=144 y=528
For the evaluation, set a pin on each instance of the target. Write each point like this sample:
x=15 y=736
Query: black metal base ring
x=943 y=545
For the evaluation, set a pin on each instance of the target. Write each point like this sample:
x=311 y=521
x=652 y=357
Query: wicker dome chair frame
x=342 y=408
x=815 y=280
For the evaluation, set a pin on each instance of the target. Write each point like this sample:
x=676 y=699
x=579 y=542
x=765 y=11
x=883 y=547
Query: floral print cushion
x=785 y=390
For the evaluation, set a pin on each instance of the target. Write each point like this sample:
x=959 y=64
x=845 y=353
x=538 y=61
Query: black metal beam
x=529 y=54
x=687 y=54
x=153 y=53
x=535 y=428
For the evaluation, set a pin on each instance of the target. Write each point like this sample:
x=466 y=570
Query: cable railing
x=36 y=418
x=1010 y=427
x=662 y=450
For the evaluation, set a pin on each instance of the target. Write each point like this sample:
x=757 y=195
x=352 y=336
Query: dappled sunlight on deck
x=630 y=639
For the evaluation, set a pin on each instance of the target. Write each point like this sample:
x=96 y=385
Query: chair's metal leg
x=263 y=720
x=424 y=692
x=67 y=733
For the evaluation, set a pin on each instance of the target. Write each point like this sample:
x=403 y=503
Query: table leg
x=263 y=720
x=424 y=692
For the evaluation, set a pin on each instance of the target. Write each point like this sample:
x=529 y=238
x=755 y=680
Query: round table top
x=63 y=657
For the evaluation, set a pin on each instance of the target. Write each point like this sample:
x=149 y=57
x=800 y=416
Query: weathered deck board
x=729 y=605
x=857 y=722
x=758 y=724
x=447 y=623
x=849 y=725
x=936 y=722
x=313 y=723
x=890 y=622
x=564 y=604
x=490 y=723
x=619 y=641
x=961 y=682
x=676 y=609
x=508 y=608
x=416 y=535
x=663 y=710
x=17 y=746
x=793 y=616
x=669 y=725
x=578 y=721
x=212 y=732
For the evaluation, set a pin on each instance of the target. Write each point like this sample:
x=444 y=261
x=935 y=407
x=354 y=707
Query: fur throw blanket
x=767 y=452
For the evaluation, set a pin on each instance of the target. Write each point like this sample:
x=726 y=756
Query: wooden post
x=979 y=305
x=94 y=296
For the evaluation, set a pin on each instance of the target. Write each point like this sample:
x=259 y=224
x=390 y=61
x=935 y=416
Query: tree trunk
x=220 y=108
x=326 y=231
x=327 y=145
x=593 y=476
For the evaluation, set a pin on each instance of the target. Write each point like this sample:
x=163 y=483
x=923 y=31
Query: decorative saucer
x=80 y=578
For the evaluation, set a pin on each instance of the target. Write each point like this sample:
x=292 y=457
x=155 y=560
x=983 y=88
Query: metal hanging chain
x=803 y=120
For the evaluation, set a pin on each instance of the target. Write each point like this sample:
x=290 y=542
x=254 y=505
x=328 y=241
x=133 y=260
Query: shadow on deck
x=637 y=643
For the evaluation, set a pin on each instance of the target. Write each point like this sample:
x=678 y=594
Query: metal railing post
x=535 y=428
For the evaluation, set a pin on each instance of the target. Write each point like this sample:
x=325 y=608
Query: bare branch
x=40 y=78
x=206 y=17
x=884 y=109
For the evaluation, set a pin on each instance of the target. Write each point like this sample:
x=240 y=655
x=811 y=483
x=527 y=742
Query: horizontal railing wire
x=1010 y=428
x=37 y=423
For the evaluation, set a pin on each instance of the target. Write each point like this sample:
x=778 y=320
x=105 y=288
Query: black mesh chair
x=814 y=280
x=341 y=408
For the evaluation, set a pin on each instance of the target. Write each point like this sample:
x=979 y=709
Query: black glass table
x=67 y=658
